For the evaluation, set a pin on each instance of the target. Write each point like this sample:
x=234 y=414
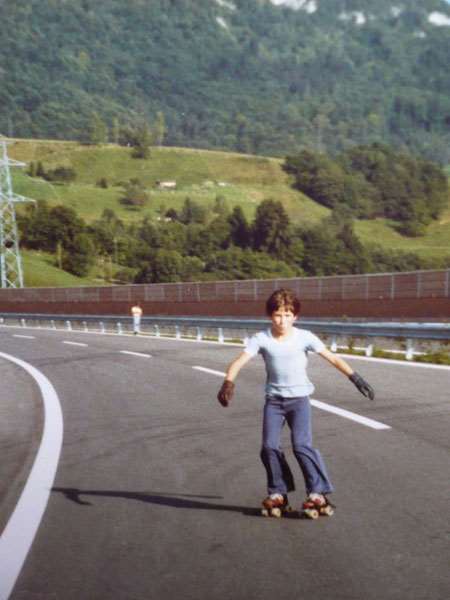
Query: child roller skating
x=284 y=349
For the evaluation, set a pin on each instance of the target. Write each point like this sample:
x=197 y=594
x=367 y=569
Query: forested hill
x=261 y=76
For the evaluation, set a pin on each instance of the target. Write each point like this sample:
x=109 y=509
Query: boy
x=284 y=349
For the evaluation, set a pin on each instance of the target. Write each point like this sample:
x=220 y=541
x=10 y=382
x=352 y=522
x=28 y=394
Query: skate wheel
x=276 y=512
x=327 y=511
x=265 y=512
x=311 y=513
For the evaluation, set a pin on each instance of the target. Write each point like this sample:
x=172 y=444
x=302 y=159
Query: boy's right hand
x=226 y=392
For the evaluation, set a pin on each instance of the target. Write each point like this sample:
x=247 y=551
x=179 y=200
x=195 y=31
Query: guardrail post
x=199 y=334
x=369 y=348
x=102 y=327
x=177 y=332
x=68 y=326
x=119 y=328
x=333 y=346
x=409 y=349
x=22 y=322
x=220 y=337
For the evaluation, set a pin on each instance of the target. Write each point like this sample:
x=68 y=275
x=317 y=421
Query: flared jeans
x=296 y=412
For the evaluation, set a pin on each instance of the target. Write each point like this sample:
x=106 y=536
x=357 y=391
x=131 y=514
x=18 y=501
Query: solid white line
x=25 y=337
x=18 y=535
x=349 y=415
x=74 y=343
x=135 y=353
x=323 y=406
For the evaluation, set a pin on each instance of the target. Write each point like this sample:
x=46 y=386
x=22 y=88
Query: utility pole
x=10 y=262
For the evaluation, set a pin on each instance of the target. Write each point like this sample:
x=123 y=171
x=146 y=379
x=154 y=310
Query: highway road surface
x=122 y=477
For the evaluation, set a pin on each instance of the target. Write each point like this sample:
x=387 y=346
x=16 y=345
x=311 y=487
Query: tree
x=78 y=255
x=142 y=141
x=159 y=128
x=240 y=231
x=97 y=130
x=271 y=229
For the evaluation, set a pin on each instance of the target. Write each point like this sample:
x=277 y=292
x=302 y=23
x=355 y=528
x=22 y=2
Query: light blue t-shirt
x=286 y=360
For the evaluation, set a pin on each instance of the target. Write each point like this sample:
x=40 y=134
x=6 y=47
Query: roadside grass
x=39 y=270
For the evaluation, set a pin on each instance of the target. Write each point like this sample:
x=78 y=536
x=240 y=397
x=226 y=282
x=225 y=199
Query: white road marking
x=25 y=337
x=135 y=353
x=74 y=343
x=19 y=533
x=219 y=373
x=392 y=361
x=323 y=406
x=349 y=415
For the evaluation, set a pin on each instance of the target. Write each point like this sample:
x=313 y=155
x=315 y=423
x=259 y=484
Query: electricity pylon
x=10 y=262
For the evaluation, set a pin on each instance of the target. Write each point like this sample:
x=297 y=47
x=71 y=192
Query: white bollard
x=333 y=346
x=85 y=326
x=52 y=324
x=102 y=327
x=409 y=349
x=68 y=326
x=22 y=321
x=157 y=331
x=177 y=332
x=220 y=336
x=119 y=328
x=369 y=349
x=199 y=334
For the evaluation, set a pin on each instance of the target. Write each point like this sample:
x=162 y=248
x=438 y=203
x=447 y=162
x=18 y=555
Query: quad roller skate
x=317 y=505
x=275 y=505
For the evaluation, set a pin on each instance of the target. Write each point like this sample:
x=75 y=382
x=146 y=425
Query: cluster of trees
x=265 y=79
x=374 y=181
x=198 y=244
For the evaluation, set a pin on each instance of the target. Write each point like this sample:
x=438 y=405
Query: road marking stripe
x=349 y=415
x=392 y=361
x=18 y=535
x=135 y=353
x=25 y=337
x=323 y=406
x=74 y=343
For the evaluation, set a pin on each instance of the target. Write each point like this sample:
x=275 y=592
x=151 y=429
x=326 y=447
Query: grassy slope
x=248 y=179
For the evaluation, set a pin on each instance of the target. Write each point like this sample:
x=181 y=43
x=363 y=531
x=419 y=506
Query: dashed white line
x=349 y=415
x=323 y=406
x=25 y=337
x=18 y=535
x=74 y=343
x=135 y=353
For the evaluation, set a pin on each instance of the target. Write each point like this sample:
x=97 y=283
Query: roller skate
x=275 y=505
x=317 y=505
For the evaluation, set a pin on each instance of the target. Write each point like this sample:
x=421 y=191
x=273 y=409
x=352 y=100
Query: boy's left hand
x=362 y=385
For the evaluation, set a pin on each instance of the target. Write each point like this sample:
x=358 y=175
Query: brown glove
x=226 y=393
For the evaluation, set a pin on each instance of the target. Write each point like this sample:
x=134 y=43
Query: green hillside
x=199 y=174
x=269 y=77
x=241 y=180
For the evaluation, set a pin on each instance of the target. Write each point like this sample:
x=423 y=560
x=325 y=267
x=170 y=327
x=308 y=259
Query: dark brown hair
x=283 y=298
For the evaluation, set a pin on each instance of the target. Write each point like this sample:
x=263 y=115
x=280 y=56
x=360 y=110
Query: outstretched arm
x=226 y=391
x=345 y=368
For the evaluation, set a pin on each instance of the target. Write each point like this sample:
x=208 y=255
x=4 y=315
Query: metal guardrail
x=408 y=334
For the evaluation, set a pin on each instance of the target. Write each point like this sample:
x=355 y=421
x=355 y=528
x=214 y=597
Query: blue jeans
x=297 y=413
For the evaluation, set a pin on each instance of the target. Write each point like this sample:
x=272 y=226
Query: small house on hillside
x=166 y=185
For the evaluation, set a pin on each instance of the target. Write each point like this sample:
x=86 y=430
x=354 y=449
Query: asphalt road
x=157 y=489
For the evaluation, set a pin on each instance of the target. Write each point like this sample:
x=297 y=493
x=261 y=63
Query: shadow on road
x=160 y=499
